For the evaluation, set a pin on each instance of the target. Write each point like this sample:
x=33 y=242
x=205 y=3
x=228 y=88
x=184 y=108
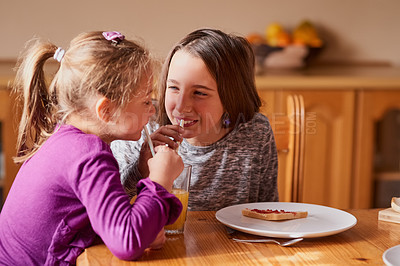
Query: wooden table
x=205 y=242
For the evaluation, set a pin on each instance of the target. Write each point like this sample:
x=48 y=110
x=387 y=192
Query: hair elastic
x=59 y=54
x=114 y=36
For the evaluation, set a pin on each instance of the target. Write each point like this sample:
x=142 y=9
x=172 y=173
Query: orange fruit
x=255 y=38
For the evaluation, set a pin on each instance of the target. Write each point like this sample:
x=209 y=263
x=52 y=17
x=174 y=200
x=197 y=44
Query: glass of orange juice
x=180 y=189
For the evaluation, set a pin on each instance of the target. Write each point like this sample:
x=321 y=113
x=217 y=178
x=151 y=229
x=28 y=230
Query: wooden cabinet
x=341 y=109
x=329 y=140
x=8 y=139
x=372 y=105
x=9 y=118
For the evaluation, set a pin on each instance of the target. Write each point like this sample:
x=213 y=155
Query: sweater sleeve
x=269 y=170
x=127 y=230
x=127 y=155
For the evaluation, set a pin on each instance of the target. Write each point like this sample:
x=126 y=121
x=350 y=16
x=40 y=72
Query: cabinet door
x=328 y=145
x=371 y=107
x=268 y=102
x=268 y=108
x=8 y=139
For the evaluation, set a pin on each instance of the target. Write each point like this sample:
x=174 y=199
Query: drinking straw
x=181 y=123
x=146 y=131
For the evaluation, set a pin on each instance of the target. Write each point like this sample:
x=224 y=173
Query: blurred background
x=355 y=31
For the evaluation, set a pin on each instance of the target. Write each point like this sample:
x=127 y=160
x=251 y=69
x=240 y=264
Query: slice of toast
x=274 y=215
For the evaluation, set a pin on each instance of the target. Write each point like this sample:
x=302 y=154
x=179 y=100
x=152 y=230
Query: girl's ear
x=104 y=109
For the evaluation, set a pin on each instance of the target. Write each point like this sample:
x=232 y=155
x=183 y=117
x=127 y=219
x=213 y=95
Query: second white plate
x=321 y=220
x=392 y=256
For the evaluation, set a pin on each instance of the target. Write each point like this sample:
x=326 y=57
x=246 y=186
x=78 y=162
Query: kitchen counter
x=316 y=77
x=331 y=77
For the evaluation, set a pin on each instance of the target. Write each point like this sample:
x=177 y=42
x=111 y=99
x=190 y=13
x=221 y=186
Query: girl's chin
x=133 y=137
x=136 y=138
x=189 y=134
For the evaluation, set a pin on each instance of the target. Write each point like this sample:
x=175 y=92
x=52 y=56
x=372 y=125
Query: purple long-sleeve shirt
x=68 y=192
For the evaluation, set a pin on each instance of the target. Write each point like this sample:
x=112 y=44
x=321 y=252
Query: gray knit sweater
x=240 y=168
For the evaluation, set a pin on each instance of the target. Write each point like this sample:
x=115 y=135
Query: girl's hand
x=159 y=241
x=161 y=136
x=165 y=166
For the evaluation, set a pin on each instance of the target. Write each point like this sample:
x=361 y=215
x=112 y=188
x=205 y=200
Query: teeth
x=183 y=122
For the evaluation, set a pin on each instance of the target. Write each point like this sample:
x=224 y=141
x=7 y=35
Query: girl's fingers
x=169 y=135
x=162 y=148
x=159 y=241
x=171 y=130
x=172 y=144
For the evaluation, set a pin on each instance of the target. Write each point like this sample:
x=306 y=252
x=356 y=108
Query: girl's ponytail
x=37 y=120
x=93 y=65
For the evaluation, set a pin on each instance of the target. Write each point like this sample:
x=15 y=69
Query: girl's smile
x=186 y=123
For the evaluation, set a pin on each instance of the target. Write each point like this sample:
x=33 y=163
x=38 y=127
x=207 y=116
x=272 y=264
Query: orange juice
x=178 y=226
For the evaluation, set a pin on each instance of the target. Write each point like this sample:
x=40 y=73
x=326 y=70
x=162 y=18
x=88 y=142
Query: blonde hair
x=91 y=66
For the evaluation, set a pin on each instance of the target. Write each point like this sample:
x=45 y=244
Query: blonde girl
x=68 y=189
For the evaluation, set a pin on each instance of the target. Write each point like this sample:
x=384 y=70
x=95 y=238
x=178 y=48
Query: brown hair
x=92 y=65
x=230 y=60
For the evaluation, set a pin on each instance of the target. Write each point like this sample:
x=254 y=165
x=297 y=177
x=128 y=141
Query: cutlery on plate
x=287 y=243
x=268 y=240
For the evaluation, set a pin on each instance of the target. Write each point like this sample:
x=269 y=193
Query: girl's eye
x=200 y=93
x=173 y=88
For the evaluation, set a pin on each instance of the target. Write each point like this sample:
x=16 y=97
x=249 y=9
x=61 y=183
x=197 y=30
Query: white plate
x=321 y=220
x=392 y=256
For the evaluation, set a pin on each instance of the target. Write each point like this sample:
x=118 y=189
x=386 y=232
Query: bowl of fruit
x=279 y=49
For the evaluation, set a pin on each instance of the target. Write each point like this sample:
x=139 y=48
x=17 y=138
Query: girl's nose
x=183 y=104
